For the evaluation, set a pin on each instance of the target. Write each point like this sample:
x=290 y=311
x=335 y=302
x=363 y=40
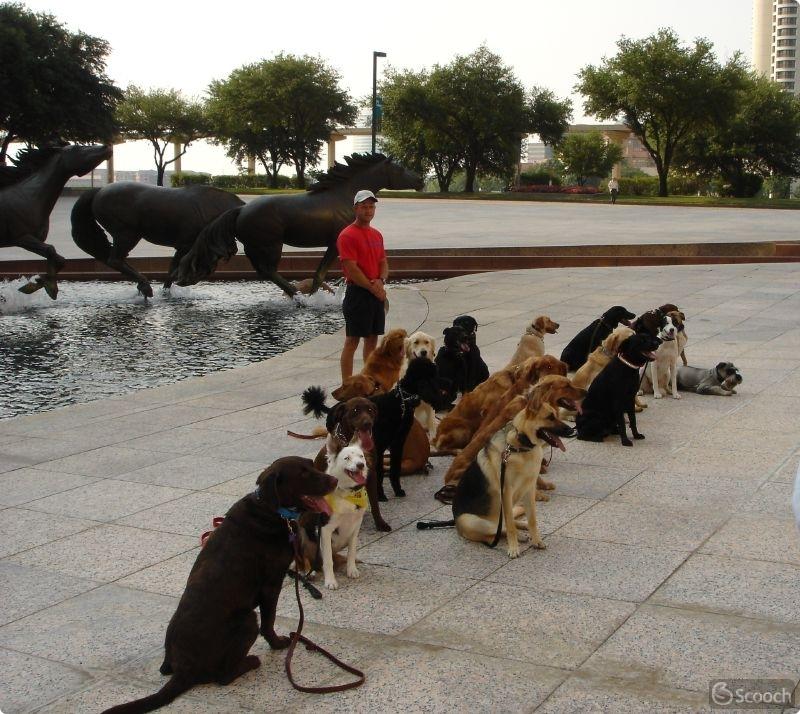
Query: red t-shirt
x=364 y=246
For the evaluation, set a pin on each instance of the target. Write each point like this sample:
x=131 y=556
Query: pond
x=101 y=339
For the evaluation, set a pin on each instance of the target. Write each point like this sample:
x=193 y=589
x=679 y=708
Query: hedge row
x=229 y=181
x=543 y=188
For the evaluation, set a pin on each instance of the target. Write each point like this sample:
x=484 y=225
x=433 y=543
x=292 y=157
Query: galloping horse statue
x=28 y=192
x=131 y=211
x=310 y=220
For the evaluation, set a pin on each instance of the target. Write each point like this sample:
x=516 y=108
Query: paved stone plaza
x=458 y=223
x=668 y=564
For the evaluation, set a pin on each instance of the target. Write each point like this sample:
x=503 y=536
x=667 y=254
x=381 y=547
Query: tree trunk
x=663 y=189
x=469 y=184
x=4 y=148
x=160 y=175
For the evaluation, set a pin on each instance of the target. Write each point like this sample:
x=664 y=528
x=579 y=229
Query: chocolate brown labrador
x=241 y=567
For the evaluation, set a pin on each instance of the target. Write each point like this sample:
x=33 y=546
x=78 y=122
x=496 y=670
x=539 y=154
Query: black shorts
x=364 y=315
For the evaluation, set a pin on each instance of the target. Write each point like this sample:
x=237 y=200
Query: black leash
x=499 y=532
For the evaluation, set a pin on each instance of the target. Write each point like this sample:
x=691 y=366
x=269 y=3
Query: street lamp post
x=375 y=56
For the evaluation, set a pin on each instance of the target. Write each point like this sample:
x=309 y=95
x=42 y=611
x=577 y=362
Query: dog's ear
x=540 y=322
x=720 y=369
x=407 y=346
x=335 y=416
x=682 y=316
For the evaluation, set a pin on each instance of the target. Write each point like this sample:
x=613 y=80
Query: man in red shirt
x=366 y=269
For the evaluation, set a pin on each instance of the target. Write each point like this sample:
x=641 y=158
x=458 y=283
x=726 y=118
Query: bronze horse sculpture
x=132 y=211
x=29 y=190
x=309 y=220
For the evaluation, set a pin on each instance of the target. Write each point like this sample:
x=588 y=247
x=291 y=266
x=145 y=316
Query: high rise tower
x=775 y=41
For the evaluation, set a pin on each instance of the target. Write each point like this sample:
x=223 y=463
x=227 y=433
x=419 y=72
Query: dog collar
x=628 y=364
x=404 y=399
x=289 y=514
x=534 y=331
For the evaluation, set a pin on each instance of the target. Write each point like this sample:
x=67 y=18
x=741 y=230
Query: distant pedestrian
x=366 y=269
x=613 y=189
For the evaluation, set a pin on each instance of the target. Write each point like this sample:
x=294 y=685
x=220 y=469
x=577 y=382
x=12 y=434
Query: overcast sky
x=186 y=45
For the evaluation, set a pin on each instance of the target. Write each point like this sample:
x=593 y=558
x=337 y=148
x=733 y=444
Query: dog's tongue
x=558 y=443
x=464 y=347
x=365 y=437
x=358 y=477
x=318 y=504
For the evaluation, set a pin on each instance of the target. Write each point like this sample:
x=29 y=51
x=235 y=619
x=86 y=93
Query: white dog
x=663 y=375
x=421 y=344
x=348 y=503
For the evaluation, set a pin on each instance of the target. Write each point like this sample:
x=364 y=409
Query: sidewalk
x=668 y=564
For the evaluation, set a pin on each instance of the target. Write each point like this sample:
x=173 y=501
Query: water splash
x=13 y=302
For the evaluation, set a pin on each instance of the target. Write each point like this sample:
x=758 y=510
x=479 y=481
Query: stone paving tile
x=27 y=590
x=105 y=553
x=27 y=484
x=105 y=500
x=194 y=472
x=787 y=472
x=21 y=529
x=106 y=461
x=588 y=480
x=583 y=567
x=98 y=629
x=28 y=682
x=749 y=588
x=33 y=450
x=190 y=515
x=7 y=466
x=536 y=626
x=642 y=524
x=685 y=649
x=756 y=537
x=384 y=600
x=165 y=578
x=180 y=440
x=237 y=487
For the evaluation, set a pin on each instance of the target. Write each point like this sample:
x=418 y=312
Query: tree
x=663 y=92
x=52 y=81
x=470 y=114
x=585 y=155
x=414 y=142
x=283 y=109
x=761 y=137
x=244 y=119
x=163 y=117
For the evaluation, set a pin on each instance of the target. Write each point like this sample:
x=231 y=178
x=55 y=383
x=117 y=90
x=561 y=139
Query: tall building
x=775 y=41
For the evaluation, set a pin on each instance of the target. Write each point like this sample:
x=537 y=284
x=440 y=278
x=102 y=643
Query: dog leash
x=311 y=646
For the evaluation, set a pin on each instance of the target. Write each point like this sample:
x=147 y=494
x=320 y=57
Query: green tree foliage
x=470 y=114
x=663 y=91
x=760 y=137
x=280 y=111
x=162 y=116
x=52 y=81
x=585 y=155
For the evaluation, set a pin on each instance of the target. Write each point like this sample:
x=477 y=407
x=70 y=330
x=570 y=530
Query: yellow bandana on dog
x=358 y=498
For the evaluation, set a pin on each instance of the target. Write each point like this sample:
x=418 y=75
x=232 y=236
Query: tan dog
x=531 y=344
x=421 y=344
x=515 y=447
x=596 y=361
x=458 y=427
x=382 y=366
x=556 y=389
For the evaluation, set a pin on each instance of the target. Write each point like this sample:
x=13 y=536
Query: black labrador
x=612 y=394
x=477 y=371
x=241 y=567
x=451 y=359
x=586 y=341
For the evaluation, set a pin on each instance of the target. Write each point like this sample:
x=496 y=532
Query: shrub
x=544 y=188
x=538 y=178
x=190 y=178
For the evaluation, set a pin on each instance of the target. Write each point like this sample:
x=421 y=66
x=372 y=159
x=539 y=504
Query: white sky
x=186 y=45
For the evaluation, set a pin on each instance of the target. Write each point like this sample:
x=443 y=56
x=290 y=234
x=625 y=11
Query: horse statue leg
x=331 y=254
x=173 y=265
x=54 y=263
x=124 y=243
x=265 y=259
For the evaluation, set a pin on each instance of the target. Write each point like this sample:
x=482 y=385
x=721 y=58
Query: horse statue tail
x=86 y=231
x=216 y=241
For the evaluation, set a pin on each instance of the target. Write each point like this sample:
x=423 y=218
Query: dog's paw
x=382 y=526
x=523 y=536
x=676 y=396
x=513 y=550
x=353 y=572
x=332 y=584
x=278 y=643
x=657 y=395
x=627 y=442
x=546 y=485
x=539 y=544
x=382 y=497
x=400 y=493
x=637 y=435
x=542 y=496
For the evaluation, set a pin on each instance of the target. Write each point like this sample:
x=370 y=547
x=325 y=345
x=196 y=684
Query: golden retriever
x=531 y=344
x=517 y=447
x=382 y=366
